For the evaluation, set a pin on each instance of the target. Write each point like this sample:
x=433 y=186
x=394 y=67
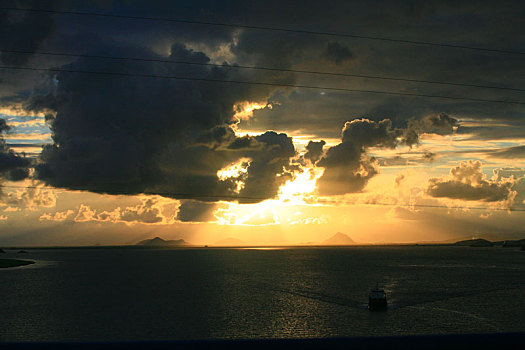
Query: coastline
x=5 y=263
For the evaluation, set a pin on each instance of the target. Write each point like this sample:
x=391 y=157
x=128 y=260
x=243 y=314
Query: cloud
x=58 y=216
x=23 y=27
x=30 y=198
x=517 y=177
x=127 y=135
x=168 y=136
x=429 y=156
x=337 y=53
x=467 y=182
x=150 y=210
x=347 y=167
x=12 y=166
x=194 y=211
x=440 y=124
x=314 y=150
x=292 y=50
x=85 y=214
x=267 y=169
x=516 y=152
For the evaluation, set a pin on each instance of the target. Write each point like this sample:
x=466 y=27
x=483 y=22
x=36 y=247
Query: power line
x=232 y=197
x=327 y=88
x=335 y=74
x=274 y=29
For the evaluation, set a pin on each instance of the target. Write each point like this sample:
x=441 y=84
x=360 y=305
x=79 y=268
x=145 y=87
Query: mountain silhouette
x=339 y=239
x=157 y=241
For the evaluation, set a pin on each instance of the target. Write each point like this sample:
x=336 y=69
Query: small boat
x=377 y=299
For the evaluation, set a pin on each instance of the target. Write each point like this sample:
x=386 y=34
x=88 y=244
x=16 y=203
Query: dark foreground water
x=141 y=294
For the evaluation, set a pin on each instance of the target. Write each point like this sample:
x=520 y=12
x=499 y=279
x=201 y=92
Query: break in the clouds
x=467 y=182
x=12 y=166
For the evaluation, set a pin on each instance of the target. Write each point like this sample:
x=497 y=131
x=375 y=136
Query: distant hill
x=158 y=242
x=230 y=242
x=512 y=243
x=479 y=242
x=338 y=239
x=488 y=237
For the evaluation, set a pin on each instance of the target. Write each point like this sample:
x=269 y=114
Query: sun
x=298 y=191
x=302 y=185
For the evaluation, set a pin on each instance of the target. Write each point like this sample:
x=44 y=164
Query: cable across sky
x=267 y=28
x=272 y=69
x=313 y=87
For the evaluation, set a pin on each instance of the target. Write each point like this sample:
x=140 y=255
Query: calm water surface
x=142 y=294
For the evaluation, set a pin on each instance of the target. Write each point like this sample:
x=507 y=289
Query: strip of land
x=14 y=263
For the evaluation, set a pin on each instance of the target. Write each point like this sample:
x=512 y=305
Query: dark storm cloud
x=12 y=166
x=125 y=134
x=267 y=170
x=427 y=21
x=337 y=53
x=367 y=133
x=165 y=136
x=469 y=183
x=22 y=31
x=4 y=126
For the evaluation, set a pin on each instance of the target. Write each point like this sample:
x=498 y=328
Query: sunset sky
x=105 y=142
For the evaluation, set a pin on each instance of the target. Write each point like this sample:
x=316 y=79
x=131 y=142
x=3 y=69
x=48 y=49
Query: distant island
x=339 y=239
x=477 y=242
x=480 y=242
x=4 y=263
x=159 y=242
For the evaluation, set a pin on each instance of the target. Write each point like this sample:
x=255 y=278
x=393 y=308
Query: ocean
x=125 y=294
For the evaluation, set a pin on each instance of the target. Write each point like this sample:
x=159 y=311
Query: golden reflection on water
x=260 y=248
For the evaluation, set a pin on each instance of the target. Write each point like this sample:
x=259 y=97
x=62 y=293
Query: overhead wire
x=325 y=88
x=278 y=29
x=179 y=195
x=262 y=68
x=268 y=28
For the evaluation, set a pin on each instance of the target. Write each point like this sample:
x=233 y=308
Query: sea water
x=119 y=294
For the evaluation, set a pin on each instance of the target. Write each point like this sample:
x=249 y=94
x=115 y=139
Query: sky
x=148 y=121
